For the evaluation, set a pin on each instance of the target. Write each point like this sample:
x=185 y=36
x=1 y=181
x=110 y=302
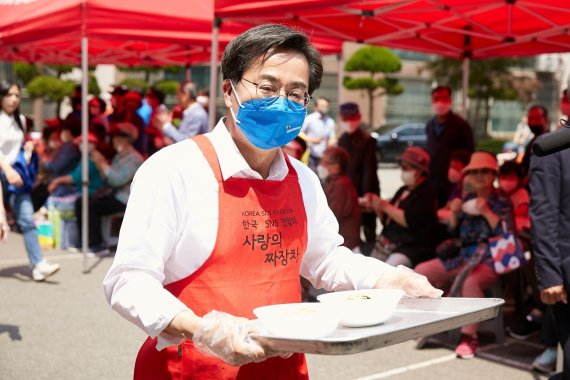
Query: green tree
x=488 y=79
x=25 y=72
x=139 y=85
x=51 y=88
x=377 y=62
x=169 y=87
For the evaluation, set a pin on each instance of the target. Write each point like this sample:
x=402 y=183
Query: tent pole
x=84 y=153
x=465 y=87
x=340 y=77
x=214 y=73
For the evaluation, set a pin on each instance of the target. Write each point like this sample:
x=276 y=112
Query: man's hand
x=414 y=284
x=553 y=295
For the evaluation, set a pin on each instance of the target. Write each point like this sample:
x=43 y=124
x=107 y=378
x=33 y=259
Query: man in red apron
x=226 y=222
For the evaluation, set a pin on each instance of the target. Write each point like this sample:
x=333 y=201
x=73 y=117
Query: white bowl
x=307 y=320
x=367 y=307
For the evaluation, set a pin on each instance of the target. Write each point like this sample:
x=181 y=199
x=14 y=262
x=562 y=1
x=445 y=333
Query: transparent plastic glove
x=227 y=337
x=414 y=284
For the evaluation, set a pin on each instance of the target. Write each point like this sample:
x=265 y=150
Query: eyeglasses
x=269 y=92
x=481 y=171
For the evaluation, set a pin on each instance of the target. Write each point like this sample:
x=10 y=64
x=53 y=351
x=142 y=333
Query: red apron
x=262 y=236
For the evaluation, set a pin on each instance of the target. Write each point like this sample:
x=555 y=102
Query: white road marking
x=408 y=368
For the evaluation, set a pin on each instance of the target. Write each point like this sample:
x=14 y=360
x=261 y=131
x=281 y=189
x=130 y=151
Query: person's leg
x=97 y=209
x=562 y=316
x=314 y=162
x=481 y=278
x=436 y=273
x=369 y=226
x=396 y=259
x=23 y=210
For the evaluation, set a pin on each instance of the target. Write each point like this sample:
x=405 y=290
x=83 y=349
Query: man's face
x=441 y=102
x=322 y=106
x=350 y=122
x=286 y=69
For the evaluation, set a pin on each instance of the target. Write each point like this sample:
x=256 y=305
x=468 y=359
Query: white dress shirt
x=11 y=137
x=170 y=226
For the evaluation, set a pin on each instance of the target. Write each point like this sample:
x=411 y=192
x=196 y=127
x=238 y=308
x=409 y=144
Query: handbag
x=506 y=251
x=448 y=249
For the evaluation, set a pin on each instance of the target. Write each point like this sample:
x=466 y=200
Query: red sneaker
x=467 y=347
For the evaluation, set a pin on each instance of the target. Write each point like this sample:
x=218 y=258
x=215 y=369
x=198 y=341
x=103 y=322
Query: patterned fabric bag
x=507 y=251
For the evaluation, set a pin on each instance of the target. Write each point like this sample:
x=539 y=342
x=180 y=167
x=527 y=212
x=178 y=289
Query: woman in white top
x=11 y=139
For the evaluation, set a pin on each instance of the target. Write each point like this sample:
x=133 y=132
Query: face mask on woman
x=322 y=172
x=454 y=175
x=269 y=126
x=408 y=177
x=508 y=185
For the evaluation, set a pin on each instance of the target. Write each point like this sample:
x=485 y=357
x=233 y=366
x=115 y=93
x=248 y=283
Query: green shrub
x=494 y=146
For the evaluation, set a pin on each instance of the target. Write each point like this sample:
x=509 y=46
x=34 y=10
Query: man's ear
x=227 y=90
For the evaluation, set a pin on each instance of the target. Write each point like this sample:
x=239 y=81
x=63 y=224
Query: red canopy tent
x=462 y=29
x=123 y=32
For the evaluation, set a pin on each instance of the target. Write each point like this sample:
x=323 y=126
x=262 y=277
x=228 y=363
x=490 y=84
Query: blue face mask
x=269 y=125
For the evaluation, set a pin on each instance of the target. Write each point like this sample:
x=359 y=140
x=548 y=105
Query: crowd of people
x=449 y=221
x=121 y=136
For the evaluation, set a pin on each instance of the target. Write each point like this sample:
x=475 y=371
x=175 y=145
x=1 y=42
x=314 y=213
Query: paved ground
x=63 y=329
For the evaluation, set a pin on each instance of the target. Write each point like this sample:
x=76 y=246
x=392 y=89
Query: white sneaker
x=43 y=270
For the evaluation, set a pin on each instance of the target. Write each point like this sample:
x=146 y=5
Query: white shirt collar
x=232 y=162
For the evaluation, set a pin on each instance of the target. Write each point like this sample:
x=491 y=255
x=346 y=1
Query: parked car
x=392 y=140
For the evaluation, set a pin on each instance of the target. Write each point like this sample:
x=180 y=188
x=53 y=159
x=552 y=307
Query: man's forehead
x=279 y=65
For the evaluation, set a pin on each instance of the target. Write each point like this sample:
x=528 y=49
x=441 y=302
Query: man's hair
x=511 y=167
x=442 y=88
x=263 y=41
x=540 y=107
x=323 y=98
x=190 y=89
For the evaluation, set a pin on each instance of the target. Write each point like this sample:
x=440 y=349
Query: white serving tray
x=413 y=318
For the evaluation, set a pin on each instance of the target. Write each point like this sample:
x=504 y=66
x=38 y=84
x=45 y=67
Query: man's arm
x=370 y=182
x=544 y=213
x=189 y=127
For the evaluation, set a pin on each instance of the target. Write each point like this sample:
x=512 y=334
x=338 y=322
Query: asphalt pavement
x=63 y=329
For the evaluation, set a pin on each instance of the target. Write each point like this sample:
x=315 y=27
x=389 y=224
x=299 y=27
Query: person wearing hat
x=131 y=103
x=446 y=132
x=194 y=117
x=75 y=176
x=476 y=217
x=118 y=175
x=409 y=219
x=362 y=165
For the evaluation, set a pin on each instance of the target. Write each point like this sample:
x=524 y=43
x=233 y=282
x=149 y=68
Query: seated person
x=511 y=180
x=118 y=177
x=75 y=177
x=409 y=219
x=341 y=195
x=474 y=218
x=60 y=157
